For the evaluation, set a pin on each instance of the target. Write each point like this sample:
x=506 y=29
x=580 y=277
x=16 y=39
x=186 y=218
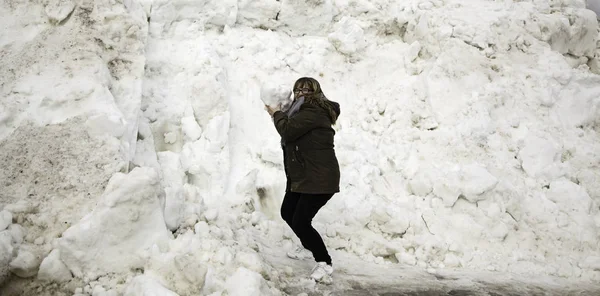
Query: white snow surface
x=137 y=157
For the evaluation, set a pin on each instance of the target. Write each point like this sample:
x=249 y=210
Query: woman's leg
x=306 y=209
x=288 y=207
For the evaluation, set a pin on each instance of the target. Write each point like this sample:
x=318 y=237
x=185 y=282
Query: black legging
x=298 y=210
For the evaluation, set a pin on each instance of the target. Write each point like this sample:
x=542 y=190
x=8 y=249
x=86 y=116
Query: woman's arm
x=293 y=128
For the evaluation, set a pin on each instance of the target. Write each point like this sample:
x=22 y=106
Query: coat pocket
x=296 y=165
x=298 y=156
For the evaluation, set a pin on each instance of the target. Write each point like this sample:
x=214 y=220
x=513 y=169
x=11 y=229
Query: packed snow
x=137 y=157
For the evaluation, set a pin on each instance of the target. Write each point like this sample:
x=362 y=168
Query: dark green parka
x=309 y=158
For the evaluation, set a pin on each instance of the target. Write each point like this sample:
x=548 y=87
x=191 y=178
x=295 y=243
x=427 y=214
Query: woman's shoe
x=300 y=253
x=321 y=271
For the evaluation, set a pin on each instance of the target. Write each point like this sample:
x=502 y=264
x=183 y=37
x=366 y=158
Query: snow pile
x=468 y=138
x=126 y=222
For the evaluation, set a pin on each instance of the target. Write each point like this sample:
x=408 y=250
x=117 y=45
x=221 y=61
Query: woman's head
x=310 y=89
x=307 y=86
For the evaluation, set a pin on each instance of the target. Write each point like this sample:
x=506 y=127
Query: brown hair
x=316 y=96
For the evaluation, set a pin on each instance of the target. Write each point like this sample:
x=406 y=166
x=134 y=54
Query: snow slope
x=137 y=156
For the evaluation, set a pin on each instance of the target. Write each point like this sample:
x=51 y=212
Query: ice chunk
x=146 y=286
x=53 y=269
x=25 y=265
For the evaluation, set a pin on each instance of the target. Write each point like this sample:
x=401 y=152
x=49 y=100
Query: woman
x=311 y=167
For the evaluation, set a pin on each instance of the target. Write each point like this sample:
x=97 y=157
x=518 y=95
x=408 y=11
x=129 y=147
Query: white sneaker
x=300 y=253
x=322 y=271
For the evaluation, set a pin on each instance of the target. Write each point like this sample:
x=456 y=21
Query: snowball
x=5 y=219
x=53 y=269
x=245 y=282
x=25 y=265
x=127 y=221
x=275 y=94
x=147 y=286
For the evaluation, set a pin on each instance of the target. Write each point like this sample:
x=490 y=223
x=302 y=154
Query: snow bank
x=468 y=137
x=118 y=233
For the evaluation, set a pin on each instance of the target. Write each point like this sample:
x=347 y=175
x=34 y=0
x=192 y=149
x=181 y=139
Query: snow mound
x=117 y=235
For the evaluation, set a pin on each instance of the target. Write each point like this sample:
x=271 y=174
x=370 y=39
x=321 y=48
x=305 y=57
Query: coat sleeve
x=293 y=128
